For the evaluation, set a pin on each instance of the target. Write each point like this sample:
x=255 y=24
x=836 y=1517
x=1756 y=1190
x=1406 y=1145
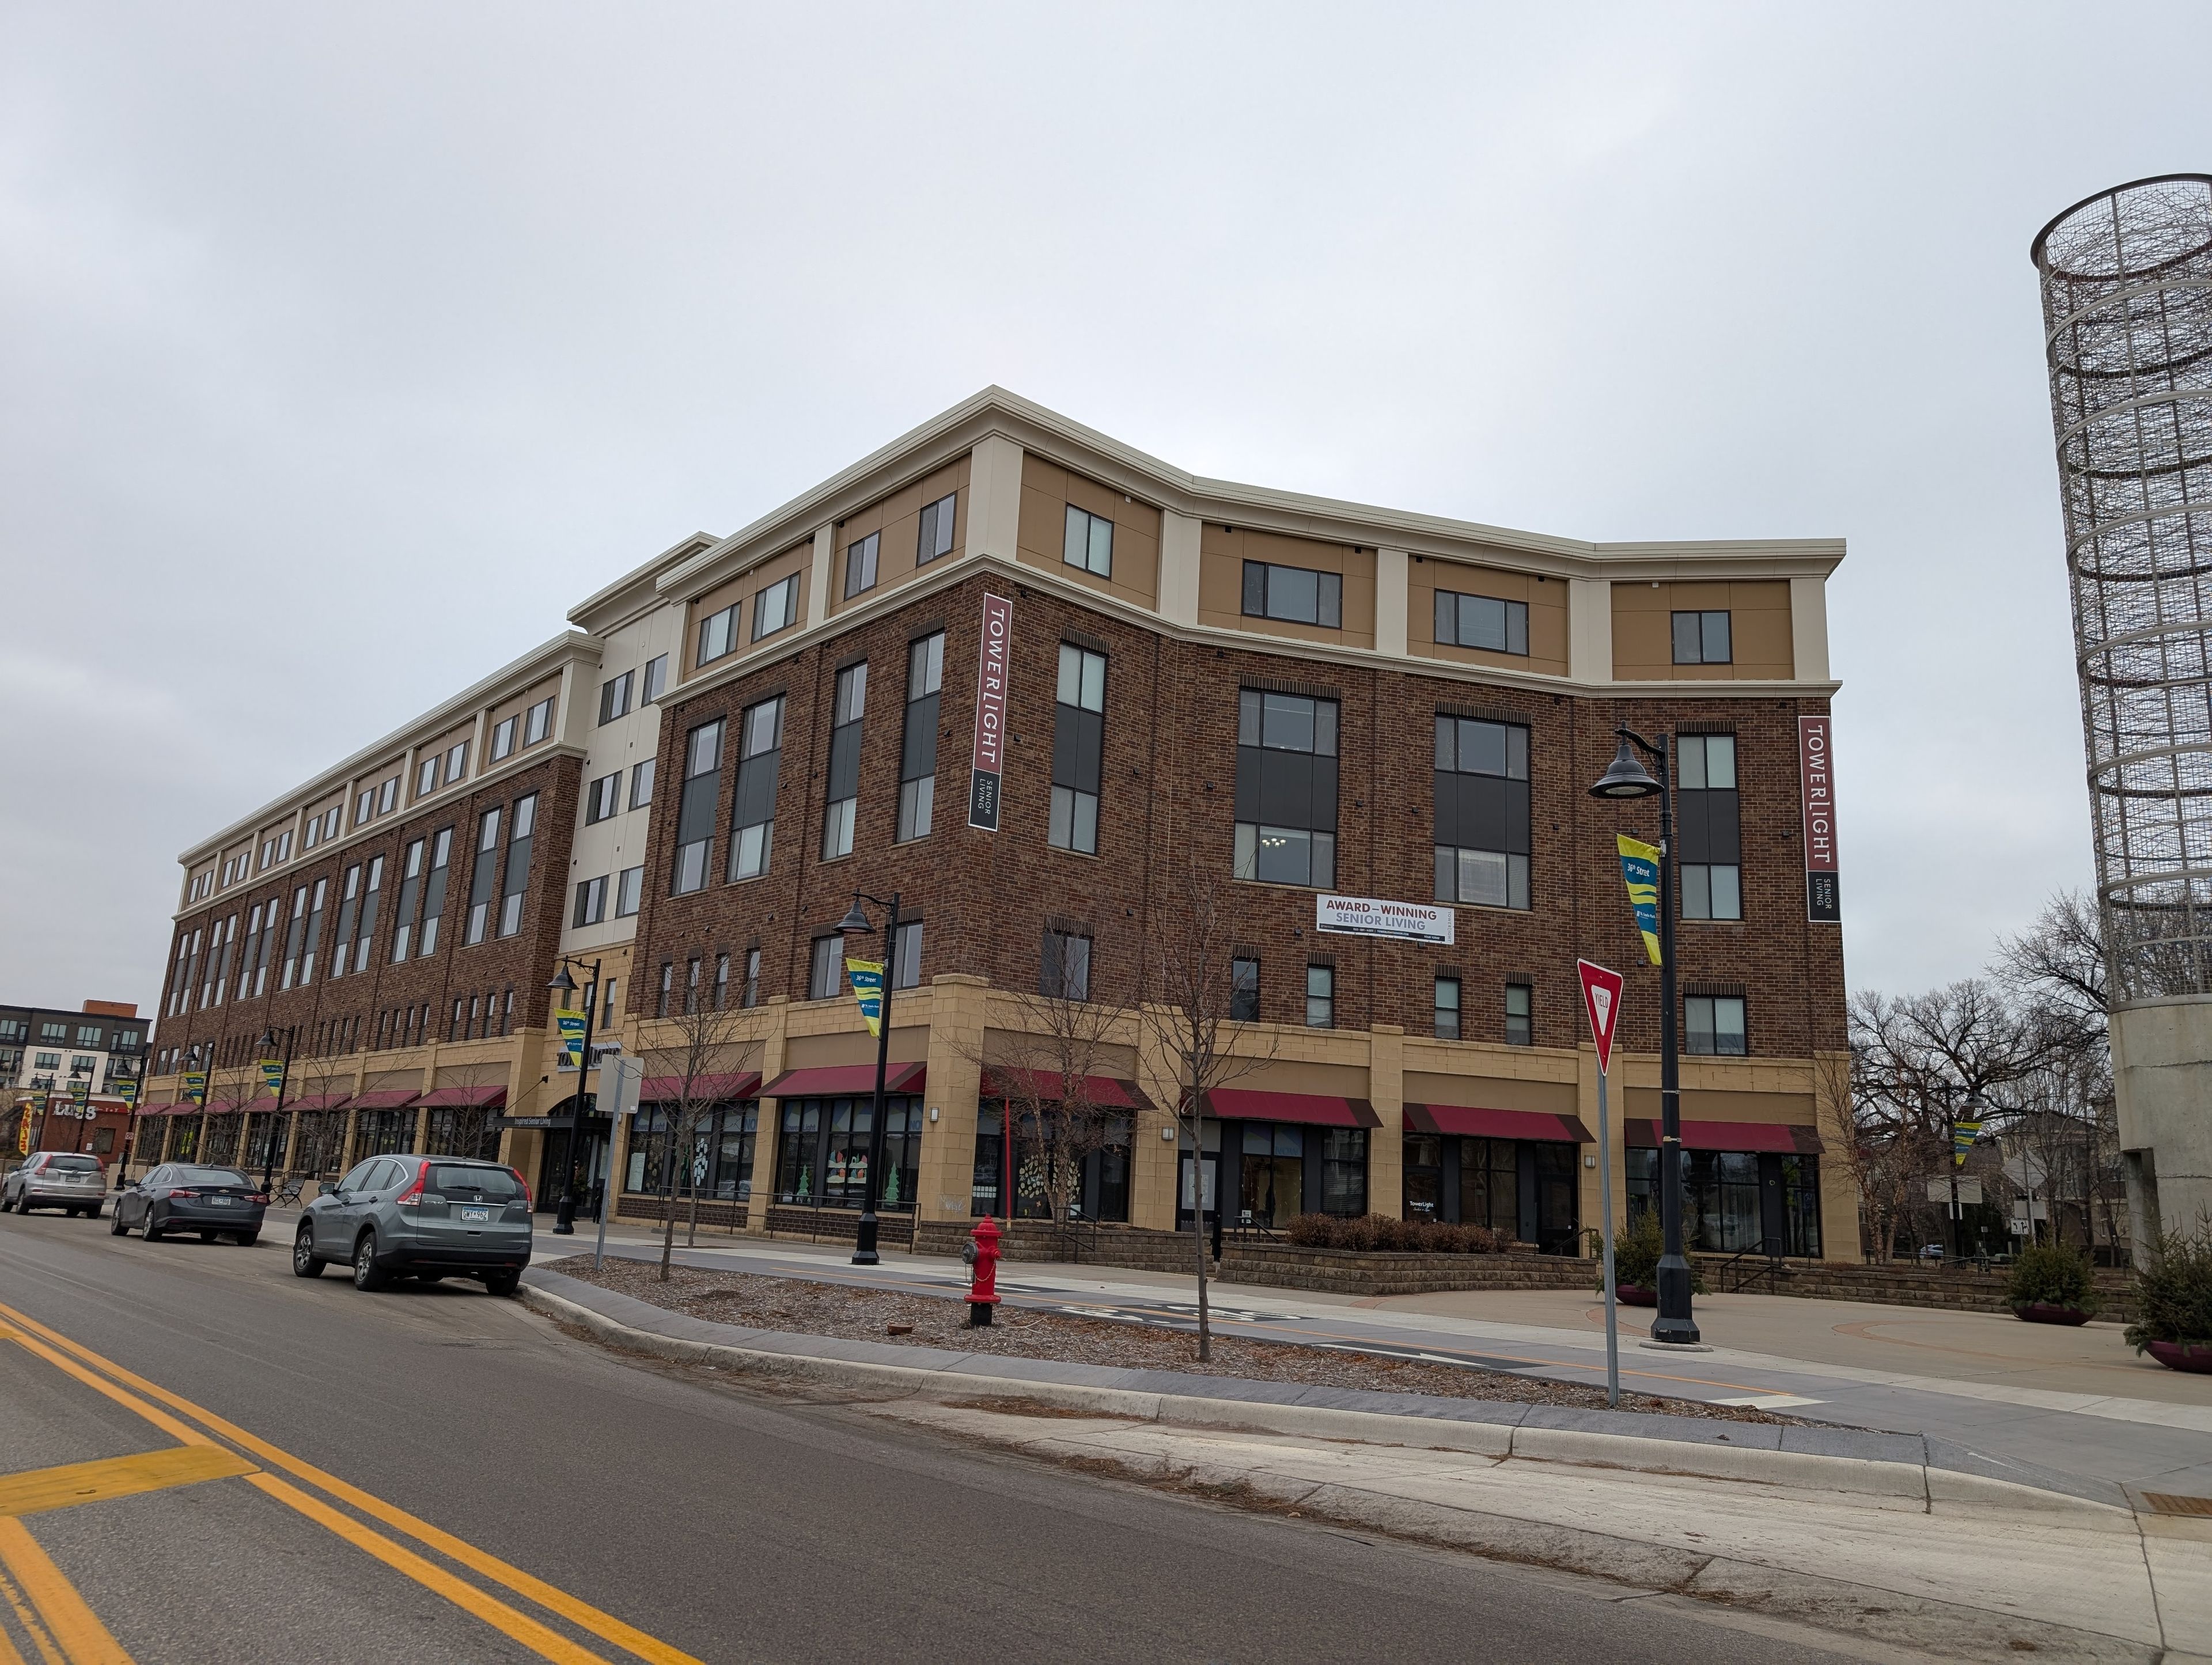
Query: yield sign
x=1601 y=1001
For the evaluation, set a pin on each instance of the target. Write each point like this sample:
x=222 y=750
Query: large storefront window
x=822 y=1151
x=381 y=1132
x=464 y=1130
x=720 y=1164
x=1524 y=1189
x=1273 y=1171
x=1095 y=1180
x=1738 y=1201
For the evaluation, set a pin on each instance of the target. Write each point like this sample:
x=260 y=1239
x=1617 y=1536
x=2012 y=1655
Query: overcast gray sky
x=342 y=349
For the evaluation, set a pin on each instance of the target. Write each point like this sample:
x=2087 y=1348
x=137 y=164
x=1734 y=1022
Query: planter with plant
x=1635 y=1254
x=2173 y=1302
x=2052 y=1284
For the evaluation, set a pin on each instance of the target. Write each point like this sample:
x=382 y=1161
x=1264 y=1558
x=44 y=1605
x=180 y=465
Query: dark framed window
x=484 y=877
x=1295 y=595
x=718 y=635
x=1520 y=1015
x=1321 y=997
x=1078 y=743
x=1447 y=1008
x=433 y=891
x=590 y=902
x=1424 y=1169
x=1343 y=1171
x=1722 y=1208
x=1088 y=543
x=521 y=829
x=935 y=536
x=667 y=991
x=824 y=969
x=860 y=565
x=1481 y=621
x=776 y=607
x=721 y=982
x=1708 y=820
x=724 y=1139
x=603 y=799
x=925 y=680
x=822 y=1151
x=692 y=986
x=1244 y=990
x=842 y=808
x=655 y=680
x=410 y=889
x=537 y=725
x=1714 y=1025
x=1703 y=638
x=629 y=891
x=1064 y=966
x=614 y=697
x=906 y=955
x=694 y=808
x=753 y=995
x=640 y=784
x=1483 y=835
x=752 y=813
x=1286 y=788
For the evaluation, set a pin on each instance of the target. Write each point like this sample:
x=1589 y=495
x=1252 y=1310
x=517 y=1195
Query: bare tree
x=1046 y=1064
x=1190 y=1017
x=690 y=1049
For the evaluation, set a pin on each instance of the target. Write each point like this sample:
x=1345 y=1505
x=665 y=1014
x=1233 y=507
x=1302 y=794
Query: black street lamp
x=284 y=1082
x=1624 y=778
x=856 y=924
x=564 y=1218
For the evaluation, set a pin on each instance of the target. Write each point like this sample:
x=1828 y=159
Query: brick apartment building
x=49 y=1057
x=1305 y=698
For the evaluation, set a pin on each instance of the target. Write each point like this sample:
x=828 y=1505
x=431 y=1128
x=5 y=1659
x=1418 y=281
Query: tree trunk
x=668 y=1212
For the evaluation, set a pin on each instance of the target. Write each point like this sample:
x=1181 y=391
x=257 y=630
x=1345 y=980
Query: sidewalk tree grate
x=2168 y=1503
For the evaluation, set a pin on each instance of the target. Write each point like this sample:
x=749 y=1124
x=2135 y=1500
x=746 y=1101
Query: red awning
x=225 y=1106
x=709 y=1089
x=843 y=1080
x=1471 y=1122
x=388 y=1098
x=1101 y=1091
x=444 y=1098
x=1789 y=1139
x=318 y=1100
x=1314 y=1109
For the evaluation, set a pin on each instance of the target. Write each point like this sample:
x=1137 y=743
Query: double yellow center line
x=67 y=1633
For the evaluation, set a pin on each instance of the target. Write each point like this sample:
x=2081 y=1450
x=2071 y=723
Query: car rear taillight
x=412 y=1196
x=524 y=1184
x=261 y=1197
x=184 y=1193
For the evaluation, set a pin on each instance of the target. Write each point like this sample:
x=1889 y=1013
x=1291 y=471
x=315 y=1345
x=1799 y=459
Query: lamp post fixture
x=284 y=1082
x=564 y=1218
x=1626 y=778
x=856 y=924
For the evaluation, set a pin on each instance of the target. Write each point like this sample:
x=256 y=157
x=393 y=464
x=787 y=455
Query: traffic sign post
x=1602 y=1002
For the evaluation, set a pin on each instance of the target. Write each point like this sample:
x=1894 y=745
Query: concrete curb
x=1864 y=1464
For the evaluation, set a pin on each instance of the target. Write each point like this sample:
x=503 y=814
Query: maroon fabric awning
x=318 y=1100
x=225 y=1106
x=388 y=1098
x=709 y=1089
x=1102 y=1091
x=1313 y=1109
x=447 y=1098
x=1788 y=1139
x=842 y=1080
x=1471 y=1122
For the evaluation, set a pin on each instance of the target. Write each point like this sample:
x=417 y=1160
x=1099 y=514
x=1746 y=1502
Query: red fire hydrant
x=980 y=1251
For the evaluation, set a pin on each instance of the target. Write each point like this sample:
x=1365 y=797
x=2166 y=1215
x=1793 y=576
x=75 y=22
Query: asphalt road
x=422 y=1458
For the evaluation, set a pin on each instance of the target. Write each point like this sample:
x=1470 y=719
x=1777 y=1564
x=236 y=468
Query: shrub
x=2052 y=1275
x=2173 y=1296
x=1380 y=1233
x=1635 y=1254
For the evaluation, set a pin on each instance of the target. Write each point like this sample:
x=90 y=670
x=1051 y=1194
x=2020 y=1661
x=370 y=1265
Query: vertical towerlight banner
x=2126 y=279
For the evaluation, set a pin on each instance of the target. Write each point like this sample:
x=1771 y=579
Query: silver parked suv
x=55 y=1179
x=420 y=1217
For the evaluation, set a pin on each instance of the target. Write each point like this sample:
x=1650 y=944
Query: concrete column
x=1179 y=561
x=1386 y=1091
x=994 y=497
x=772 y=1049
x=819 y=580
x=1392 y=575
x=1153 y=1160
x=1590 y=629
x=1808 y=628
x=958 y=1015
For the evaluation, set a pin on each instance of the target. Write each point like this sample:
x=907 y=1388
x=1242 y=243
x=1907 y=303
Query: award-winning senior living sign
x=1372 y=916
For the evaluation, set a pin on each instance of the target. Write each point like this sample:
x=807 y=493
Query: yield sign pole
x=1602 y=1002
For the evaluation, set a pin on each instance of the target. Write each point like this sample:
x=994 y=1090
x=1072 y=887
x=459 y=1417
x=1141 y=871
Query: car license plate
x=223 y=1202
x=476 y=1216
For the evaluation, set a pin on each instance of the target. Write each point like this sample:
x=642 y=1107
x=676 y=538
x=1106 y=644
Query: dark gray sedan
x=184 y=1196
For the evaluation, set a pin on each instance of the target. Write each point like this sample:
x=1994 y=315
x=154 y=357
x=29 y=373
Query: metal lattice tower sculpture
x=2127 y=310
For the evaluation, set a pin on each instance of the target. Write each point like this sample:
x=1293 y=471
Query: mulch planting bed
x=796 y=1306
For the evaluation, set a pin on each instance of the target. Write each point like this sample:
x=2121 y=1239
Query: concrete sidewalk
x=1918 y=1546
x=2073 y=1400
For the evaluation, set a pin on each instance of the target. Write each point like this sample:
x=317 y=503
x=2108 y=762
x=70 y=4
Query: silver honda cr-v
x=420 y=1216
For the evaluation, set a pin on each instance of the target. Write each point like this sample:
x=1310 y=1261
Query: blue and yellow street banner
x=127 y=1090
x=39 y=1099
x=272 y=1074
x=570 y=1026
x=1639 y=865
x=1963 y=1135
x=195 y=1087
x=80 y=1090
x=867 y=980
